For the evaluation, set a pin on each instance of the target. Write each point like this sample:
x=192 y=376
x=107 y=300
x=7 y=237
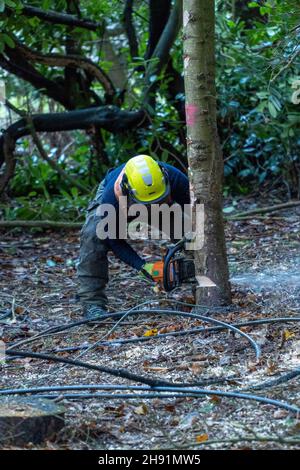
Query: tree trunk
x=204 y=151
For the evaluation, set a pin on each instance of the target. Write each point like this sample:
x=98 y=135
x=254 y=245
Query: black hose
x=61 y=388
x=277 y=381
x=107 y=370
x=125 y=396
x=5 y=315
x=195 y=331
x=177 y=333
x=188 y=315
x=179 y=392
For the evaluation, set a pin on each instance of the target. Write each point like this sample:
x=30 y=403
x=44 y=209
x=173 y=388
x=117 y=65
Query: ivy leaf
x=10 y=3
x=272 y=109
x=2 y=6
x=8 y=40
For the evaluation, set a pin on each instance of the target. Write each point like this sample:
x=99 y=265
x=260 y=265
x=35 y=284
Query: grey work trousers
x=92 y=269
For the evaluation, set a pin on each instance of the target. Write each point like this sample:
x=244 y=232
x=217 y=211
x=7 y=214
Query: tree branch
x=8 y=146
x=130 y=29
x=167 y=38
x=22 y=69
x=164 y=45
x=59 y=60
x=159 y=13
x=58 y=18
x=65 y=176
x=110 y=118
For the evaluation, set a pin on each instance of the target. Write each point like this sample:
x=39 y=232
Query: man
x=141 y=180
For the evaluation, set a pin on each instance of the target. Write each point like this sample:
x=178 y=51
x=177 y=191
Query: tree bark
x=204 y=151
x=29 y=420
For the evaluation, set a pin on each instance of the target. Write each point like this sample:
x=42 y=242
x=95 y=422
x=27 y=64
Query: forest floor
x=38 y=277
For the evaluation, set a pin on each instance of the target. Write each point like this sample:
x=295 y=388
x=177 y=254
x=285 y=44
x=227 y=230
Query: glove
x=153 y=271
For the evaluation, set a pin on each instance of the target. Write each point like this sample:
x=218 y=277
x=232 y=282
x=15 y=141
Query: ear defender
x=124 y=185
x=165 y=173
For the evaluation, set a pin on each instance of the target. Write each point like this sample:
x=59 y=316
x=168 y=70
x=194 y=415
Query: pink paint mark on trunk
x=191 y=114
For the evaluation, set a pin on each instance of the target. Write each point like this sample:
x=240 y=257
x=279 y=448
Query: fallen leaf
x=215 y=399
x=141 y=410
x=152 y=332
x=19 y=310
x=156 y=369
x=170 y=408
x=288 y=334
x=280 y=414
x=202 y=438
x=196 y=368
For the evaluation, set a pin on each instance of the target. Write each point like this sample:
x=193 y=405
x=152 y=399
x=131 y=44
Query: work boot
x=92 y=311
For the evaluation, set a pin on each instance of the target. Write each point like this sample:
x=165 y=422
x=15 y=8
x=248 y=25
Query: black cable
x=5 y=315
x=184 y=314
x=274 y=382
x=107 y=370
x=53 y=330
x=165 y=386
x=178 y=333
x=119 y=396
x=182 y=392
x=61 y=388
x=195 y=331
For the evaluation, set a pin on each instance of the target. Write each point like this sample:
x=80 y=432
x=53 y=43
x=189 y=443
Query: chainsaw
x=174 y=269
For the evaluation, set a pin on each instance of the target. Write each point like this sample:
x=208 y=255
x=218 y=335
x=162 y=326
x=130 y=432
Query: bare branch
x=129 y=28
x=164 y=45
x=59 y=18
x=24 y=70
x=59 y=60
x=8 y=146
x=65 y=176
x=110 y=118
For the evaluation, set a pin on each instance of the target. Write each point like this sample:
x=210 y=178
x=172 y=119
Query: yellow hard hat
x=144 y=180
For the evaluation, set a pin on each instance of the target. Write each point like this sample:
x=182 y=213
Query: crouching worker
x=141 y=180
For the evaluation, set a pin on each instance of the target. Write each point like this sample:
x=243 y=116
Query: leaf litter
x=38 y=278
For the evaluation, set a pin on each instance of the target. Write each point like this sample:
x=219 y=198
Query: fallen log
x=75 y=225
x=40 y=224
x=264 y=210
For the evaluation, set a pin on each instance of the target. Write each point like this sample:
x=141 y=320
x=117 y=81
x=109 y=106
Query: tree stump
x=25 y=420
